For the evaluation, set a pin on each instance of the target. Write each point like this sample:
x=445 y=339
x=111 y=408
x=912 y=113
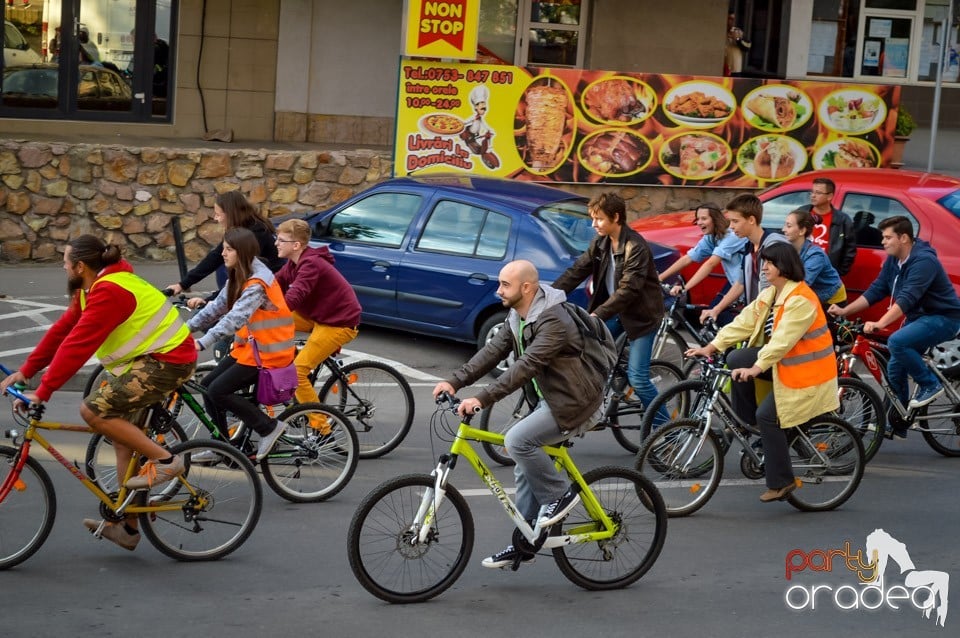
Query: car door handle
x=478 y=278
x=381 y=266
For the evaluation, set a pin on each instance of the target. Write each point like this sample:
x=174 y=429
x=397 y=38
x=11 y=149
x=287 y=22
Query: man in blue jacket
x=919 y=289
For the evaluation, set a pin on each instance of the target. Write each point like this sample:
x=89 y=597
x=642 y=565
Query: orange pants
x=322 y=342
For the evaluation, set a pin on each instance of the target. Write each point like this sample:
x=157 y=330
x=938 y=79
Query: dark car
x=424 y=254
x=36 y=86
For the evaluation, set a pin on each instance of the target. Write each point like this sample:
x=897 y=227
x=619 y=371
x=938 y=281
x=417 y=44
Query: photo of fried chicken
x=616 y=100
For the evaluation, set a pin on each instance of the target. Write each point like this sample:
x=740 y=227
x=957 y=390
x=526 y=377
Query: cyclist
x=626 y=291
x=138 y=337
x=789 y=343
x=322 y=301
x=834 y=232
x=819 y=273
x=232 y=210
x=547 y=344
x=745 y=212
x=250 y=306
x=719 y=245
x=920 y=290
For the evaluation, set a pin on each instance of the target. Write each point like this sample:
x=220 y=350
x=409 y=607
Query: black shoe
x=508 y=557
x=557 y=510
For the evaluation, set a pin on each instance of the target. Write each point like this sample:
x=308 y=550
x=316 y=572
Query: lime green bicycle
x=411 y=537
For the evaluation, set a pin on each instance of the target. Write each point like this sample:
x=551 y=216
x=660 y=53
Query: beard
x=74 y=284
x=511 y=302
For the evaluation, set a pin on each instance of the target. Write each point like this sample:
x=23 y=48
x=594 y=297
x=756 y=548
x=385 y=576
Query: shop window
x=934 y=15
x=89 y=60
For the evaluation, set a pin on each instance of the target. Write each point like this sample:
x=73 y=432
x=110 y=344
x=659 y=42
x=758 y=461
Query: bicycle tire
x=234 y=497
x=304 y=466
x=627 y=426
x=636 y=507
x=25 y=522
x=381 y=546
x=840 y=442
x=379 y=401
x=100 y=462
x=942 y=435
x=689 y=391
x=861 y=407
x=505 y=413
x=672 y=459
x=671 y=348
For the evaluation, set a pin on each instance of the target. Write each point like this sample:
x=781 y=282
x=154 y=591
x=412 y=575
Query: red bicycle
x=938 y=422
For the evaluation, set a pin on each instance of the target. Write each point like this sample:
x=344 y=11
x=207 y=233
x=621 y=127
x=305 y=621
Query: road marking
x=21 y=331
x=405 y=370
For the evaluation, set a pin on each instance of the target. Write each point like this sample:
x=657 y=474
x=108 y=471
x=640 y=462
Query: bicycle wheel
x=504 y=414
x=28 y=511
x=684 y=465
x=220 y=502
x=670 y=348
x=637 y=510
x=377 y=399
x=861 y=407
x=628 y=418
x=827 y=464
x=100 y=461
x=685 y=399
x=942 y=433
x=307 y=465
x=385 y=553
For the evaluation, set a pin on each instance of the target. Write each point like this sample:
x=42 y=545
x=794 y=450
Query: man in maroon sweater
x=322 y=301
x=139 y=337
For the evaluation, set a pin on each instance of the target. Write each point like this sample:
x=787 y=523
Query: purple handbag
x=274 y=385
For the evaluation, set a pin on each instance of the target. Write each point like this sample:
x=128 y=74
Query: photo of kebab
x=542 y=135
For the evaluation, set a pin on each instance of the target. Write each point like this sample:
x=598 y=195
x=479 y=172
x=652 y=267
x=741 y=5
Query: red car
x=868 y=196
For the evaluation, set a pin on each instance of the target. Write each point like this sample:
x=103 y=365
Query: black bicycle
x=622 y=412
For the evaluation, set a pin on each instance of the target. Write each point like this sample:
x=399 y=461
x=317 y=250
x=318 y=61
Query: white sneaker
x=205 y=457
x=267 y=441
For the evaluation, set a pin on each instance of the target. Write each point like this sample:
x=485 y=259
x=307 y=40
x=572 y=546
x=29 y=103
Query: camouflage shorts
x=147 y=382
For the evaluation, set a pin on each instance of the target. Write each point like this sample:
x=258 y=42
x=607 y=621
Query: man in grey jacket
x=548 y=348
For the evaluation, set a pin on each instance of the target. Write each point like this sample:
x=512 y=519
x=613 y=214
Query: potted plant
x=901 y=134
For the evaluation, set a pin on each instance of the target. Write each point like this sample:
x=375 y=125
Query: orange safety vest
x=812 y=360
x=273 y=330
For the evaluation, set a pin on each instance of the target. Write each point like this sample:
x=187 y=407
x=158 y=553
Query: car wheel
x=488 y=329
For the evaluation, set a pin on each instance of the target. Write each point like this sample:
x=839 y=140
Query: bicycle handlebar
x=16 y=394
x=452 y=401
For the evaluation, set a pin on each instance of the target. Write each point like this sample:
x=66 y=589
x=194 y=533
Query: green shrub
x=905 y=122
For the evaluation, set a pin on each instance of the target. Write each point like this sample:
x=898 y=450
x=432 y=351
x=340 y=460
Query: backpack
x=599 y=349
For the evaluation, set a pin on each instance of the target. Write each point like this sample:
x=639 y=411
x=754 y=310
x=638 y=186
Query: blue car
x=424 y=254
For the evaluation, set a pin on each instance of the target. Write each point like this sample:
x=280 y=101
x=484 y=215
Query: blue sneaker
x=925 y=396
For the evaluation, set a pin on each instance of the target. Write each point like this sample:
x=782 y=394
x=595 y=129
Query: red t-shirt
x=821 y=232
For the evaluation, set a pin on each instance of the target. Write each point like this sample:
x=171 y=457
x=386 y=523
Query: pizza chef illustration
x=476 y=134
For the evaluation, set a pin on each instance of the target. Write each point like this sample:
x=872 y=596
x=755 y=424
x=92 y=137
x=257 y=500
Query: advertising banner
x=442 y=28
x=581 y=126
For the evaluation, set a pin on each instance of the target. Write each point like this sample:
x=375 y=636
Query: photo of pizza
x=442 y=124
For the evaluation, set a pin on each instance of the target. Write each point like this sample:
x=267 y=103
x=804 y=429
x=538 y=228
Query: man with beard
x=548 y=347
x=139 y=337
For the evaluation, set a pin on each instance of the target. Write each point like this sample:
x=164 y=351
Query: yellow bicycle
x=204 y=514
x=411 y=537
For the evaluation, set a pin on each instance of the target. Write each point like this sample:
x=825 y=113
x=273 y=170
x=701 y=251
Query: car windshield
x=569 y=222
x=951 y=202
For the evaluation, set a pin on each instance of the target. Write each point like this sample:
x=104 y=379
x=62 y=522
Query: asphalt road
x=722 y=571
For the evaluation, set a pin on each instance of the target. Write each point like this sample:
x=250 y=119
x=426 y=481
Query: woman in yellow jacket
x=788 y=341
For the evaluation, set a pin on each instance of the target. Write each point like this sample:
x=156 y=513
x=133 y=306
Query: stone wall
x=52 y=192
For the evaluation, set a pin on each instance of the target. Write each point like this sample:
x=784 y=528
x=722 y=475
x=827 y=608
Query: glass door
x=552 y=33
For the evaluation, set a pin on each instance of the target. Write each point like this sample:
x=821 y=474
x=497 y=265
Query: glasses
x=820 y=193
x=287 y=241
